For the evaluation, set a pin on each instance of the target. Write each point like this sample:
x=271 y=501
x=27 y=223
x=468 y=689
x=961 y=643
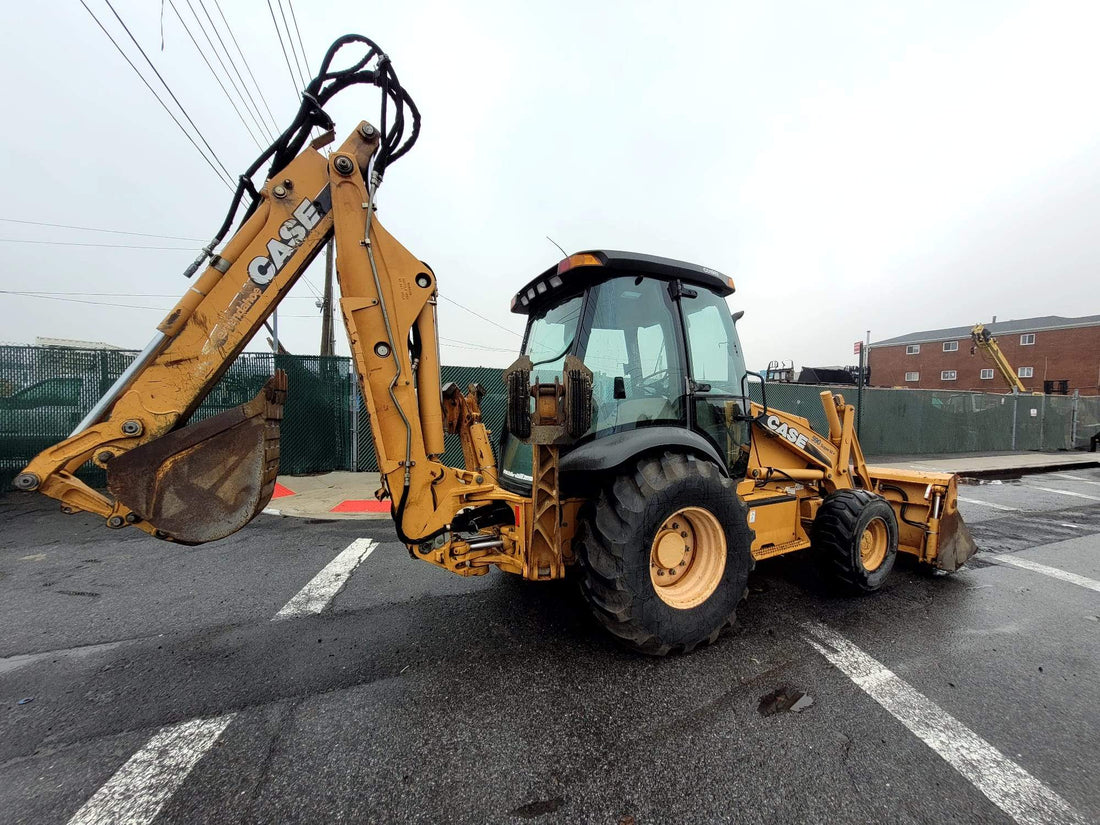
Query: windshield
x=551 y=337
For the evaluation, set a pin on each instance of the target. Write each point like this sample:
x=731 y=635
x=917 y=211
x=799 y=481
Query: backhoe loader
x=631 y=450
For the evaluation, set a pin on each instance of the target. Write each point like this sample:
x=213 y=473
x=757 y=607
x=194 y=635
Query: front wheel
x=855 y=535
x=665 y=554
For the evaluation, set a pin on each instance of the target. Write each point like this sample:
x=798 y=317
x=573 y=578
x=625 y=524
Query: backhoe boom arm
x=165 y=477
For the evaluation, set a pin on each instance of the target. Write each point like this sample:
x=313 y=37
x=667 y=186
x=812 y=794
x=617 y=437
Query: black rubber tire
x=614 y=551
x=836 y=535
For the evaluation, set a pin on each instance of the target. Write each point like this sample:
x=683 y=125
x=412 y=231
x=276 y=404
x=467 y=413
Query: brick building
x=1051 y=348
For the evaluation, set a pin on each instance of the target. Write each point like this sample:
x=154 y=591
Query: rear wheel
x=665 y=554
x=855 y=535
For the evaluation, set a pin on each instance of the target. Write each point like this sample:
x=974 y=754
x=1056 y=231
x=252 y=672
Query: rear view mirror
x=763 y=391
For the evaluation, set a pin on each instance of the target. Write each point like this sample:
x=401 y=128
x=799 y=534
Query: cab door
x=716 y=367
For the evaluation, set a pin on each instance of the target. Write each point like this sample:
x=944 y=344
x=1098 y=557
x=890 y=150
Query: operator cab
x=666 y=362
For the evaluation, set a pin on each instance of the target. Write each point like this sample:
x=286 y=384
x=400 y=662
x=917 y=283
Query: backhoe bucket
x=207 y=480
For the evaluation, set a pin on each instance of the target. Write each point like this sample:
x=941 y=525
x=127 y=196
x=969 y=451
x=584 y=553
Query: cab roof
x=584 y=269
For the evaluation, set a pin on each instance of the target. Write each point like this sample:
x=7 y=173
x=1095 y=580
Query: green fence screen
x=45 y=392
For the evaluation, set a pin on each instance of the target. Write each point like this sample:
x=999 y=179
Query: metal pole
x=859 y=393
x=1073 y=420
x=1042 y=420
x=1015 y=410
x=328 y=338
x=354 y=396
x=275 y=331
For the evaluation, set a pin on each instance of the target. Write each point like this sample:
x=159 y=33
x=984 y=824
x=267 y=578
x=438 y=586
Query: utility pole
x=861 y=348
x=328 y=336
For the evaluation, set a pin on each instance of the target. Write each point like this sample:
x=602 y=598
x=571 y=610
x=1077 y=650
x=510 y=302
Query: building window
x=950 y=346
x=1026 y=372
x=1027 y=340
x=986 y=375
x=912 y=349
x=912 y=376
x=947 y=375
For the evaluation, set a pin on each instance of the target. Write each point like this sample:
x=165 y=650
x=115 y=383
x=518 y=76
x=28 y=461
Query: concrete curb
x=323 y=496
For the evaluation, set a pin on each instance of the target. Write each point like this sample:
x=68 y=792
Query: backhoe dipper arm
x=203 y=481
x=198 y=339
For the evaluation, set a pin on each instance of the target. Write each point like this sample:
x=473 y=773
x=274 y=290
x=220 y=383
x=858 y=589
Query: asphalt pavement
x=307 y=670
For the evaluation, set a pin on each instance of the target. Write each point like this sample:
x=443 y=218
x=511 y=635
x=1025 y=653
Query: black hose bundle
x=311 y=114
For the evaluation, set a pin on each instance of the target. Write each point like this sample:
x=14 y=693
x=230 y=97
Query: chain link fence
x=45 y=392
x=903 y=422
x=492 y=413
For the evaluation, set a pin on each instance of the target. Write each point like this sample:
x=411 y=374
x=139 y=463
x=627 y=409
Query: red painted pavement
x=281 y=491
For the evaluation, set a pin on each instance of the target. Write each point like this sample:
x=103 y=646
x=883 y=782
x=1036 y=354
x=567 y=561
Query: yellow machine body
x=198 y=482
x=792 y=469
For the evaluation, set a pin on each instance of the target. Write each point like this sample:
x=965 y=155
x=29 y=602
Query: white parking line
x=1067 y=493
x=990 y=504
x=1053 y=572
x=1075 y=478
x=139 y=789
x=1004 y=783
x=315 y=596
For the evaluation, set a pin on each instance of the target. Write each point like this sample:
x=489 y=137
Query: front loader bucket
x=956 y=545
x=206 y=480
x=927 y=509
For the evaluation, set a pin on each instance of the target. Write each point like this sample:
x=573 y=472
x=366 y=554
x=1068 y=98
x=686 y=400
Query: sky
x=857 y=167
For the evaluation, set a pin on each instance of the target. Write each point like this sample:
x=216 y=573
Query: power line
x=225 y=91
x=115 y=304
x=198 y=131
x=96 y=229
x=279 y=34
x=164 y=105
x=79 y=301
x=451 y=342
x=248 y=67
x=232 y=62
x=479 y=315
x=103 y=245
x=298 y=31
x=290 y=40
x=46 y=293
x=454 y=342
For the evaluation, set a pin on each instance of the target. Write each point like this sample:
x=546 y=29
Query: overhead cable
x=105 y=245
x=164 y=105
x=232 y=62
x=298 y=31
x=479 y=315
x=247 y=66
x=97 y=229
x=279 y=33
x=168 y=88
x=302 y=72
x=225 y=91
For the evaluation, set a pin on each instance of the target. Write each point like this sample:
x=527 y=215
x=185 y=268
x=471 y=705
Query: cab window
x=633 y=351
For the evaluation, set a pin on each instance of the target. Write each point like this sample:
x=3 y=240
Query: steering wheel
x=655 y=384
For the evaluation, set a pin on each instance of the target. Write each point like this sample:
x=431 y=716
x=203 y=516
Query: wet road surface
x=312 y=672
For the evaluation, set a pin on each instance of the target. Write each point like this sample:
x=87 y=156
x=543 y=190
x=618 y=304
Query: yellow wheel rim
x=687 y=558
x=873 y=544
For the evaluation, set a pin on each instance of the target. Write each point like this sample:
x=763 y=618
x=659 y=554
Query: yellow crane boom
x=983 y=340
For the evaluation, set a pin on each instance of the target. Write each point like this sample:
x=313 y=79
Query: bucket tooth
x=207 y=480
